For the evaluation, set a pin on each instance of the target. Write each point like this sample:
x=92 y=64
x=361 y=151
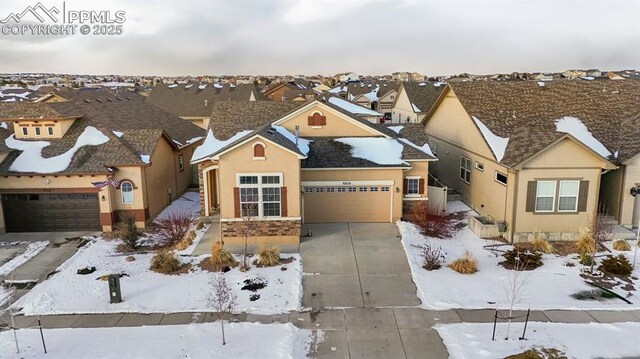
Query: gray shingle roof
x=526 y=112
x=424 y=94
x=326 y=153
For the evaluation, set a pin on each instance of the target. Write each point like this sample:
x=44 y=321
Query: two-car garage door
x=346 y=202
x=51 y=212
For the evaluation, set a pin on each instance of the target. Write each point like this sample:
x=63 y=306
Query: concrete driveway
x=355 y=265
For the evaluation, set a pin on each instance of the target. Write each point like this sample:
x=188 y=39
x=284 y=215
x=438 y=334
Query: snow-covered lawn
x=31 y=251
x=189 y=202
x=547 y=287
x=593 y=340
x=146 y=291
x=244 y=340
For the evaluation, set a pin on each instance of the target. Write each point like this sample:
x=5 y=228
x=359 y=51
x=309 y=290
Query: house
x=345 y=77
x=414 y=100
x=192 y=102
x=291 y=91
x=353 y=108
x=282 y=164
x=539 y=156
x=89 y=161
x=379 y=98
x=407 y=76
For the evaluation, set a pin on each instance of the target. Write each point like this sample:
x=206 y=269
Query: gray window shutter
x=531 y=196
x=583 y=195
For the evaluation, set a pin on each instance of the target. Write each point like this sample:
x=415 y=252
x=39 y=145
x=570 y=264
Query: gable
x=449 y=121
x=387 y=96
x=336 y=123
x=555 y=156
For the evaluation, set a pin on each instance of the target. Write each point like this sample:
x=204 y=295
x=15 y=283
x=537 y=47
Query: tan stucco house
x=414 y=100
x=540 y=156
x=89 y=158
x=283 y=164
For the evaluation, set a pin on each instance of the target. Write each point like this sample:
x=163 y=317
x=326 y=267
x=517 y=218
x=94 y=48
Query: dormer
x=41 y=128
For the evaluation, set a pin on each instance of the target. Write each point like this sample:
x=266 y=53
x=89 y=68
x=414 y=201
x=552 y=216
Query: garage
x=346 y=201
x=51 y=212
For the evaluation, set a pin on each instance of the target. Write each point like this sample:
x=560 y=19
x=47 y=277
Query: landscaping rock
x=86 y=270
x=129 y=258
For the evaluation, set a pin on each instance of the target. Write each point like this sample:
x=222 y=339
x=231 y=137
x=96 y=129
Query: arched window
x=126 y=188
x=258 y=150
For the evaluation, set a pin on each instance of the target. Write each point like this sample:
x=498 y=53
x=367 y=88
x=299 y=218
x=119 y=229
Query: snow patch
x=415 y=108
x=31 y=160
x=497 y=144
x=352 y=107
x=32 y=250
x=396 y=129
x=212 y=145
x=303 y=144
x=4 y=125
x=172 y=86
x=145 y=158
x=117 y=133
x=579 y=130
x=380 y=150
x=424 y=148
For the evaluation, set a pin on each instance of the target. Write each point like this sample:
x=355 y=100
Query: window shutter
x=405 y=186
x=258 y=151
x=583 y=195
x=236 y=201
x=283 y=202
x=310 y=121
x=531 y=196
x=421 y=186
x=322 y=121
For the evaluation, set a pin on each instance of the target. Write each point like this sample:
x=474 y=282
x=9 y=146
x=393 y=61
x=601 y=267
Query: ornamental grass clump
x=220 y=257
x=165 y=262
x=585 y=244
x=621 y=245
x=542 y=245
x=268 y=256
x=465 y=265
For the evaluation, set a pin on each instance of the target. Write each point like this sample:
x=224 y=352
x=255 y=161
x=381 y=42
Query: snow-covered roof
x=396 y=129
x=424 y=148
x=579 y=130
x=415 y=108
x=352 y=107
x=301 y=143
x=212 y=145
x=497 y=144
x=380 y=150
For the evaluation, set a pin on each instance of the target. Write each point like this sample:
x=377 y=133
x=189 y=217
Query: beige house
x=88 y=159
x=284 y=164
x=539 y=157
x=414 y=100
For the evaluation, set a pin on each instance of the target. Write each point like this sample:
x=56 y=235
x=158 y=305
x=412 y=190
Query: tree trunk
x=224 y=342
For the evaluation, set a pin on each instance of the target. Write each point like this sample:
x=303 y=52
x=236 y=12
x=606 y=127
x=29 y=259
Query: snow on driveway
x=32 y=250
x=244 y=340
x=547 y=287
x=592 y=340
x=145 y=291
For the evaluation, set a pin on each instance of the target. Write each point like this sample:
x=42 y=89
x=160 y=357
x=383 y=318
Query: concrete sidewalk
x=348 y=333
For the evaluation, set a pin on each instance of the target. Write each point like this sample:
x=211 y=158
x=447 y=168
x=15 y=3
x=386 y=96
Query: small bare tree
x=600 y=231
x=10 y=310
x=221 y=299
x=514 y=288
x=248 y=227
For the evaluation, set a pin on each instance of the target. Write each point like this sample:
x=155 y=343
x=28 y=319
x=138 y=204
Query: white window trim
x=480 y=166
x=553 y=197
x=122 y=193
x=418 y=178
x=260 y=186
x=495 y=177
x=469 y=161
x=577 y=196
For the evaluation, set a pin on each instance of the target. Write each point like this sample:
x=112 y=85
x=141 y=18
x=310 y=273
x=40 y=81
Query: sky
x=434 y=37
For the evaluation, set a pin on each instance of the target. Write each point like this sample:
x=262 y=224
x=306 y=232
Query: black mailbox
x=635 y=191
x=114 y=288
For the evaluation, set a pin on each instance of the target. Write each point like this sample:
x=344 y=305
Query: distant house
x=192 y=101
x=89 y=159
x=291 y=91
x=407 y=76
x=282 y=164
x=414 y=100
x=346 y=77
x=540 y=157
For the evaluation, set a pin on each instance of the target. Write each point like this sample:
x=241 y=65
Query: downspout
x=515 y=207
x=622 y=194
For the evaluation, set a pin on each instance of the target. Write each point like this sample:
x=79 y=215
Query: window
x=362 y=189
x=317 y=119
x=413 y=186
x=126 y=190
x=480 y=166
x=50 y=130
x=37 y=131
x=25 y=131
x=260 y=196
x=568 y=196
x=352 y=189
x=319 y=189
x=385 y=189
x=465 y=169
x=545 y=196
x=373 y=189
x=341 y=189
x=331 y=189
x=501 y=178
x=181 y=163
x=392 y=97
x=308 y=189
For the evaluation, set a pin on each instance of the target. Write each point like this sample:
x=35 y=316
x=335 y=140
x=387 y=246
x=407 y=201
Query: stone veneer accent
x=520 y=237
x=261 y=228
x=201 y=167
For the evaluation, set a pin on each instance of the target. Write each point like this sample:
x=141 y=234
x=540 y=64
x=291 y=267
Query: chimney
x=296 y=133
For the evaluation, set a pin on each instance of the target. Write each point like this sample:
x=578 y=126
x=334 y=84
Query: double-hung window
x=260 y=195
x=465 y=169
x=545 y=196
x=413 y=185
x=568 y=196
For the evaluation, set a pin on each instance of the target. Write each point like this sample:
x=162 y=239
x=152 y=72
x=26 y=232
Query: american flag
x=109 y=182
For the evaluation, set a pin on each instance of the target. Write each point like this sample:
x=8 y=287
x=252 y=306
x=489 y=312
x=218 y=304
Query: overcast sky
x=184 y=37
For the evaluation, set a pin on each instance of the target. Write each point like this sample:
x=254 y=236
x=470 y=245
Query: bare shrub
x=465 y=265
x=268 y=256
x=431 y=222
x=165 y=262
x=621 y=245
x=173 y=227
x=433 y=257
x=517 y=259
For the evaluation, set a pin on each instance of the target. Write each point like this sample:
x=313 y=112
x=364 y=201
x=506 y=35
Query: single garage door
x=358 y=203
x=51 y=212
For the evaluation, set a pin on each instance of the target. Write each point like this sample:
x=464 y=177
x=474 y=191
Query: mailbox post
x=114 y=288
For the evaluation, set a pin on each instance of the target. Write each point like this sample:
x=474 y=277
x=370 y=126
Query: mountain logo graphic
x=39 y=12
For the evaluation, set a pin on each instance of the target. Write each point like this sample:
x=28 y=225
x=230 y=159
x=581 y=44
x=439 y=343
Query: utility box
x=114 y=288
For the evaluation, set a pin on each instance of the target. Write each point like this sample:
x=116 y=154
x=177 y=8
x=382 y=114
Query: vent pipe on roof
x=206 y=103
